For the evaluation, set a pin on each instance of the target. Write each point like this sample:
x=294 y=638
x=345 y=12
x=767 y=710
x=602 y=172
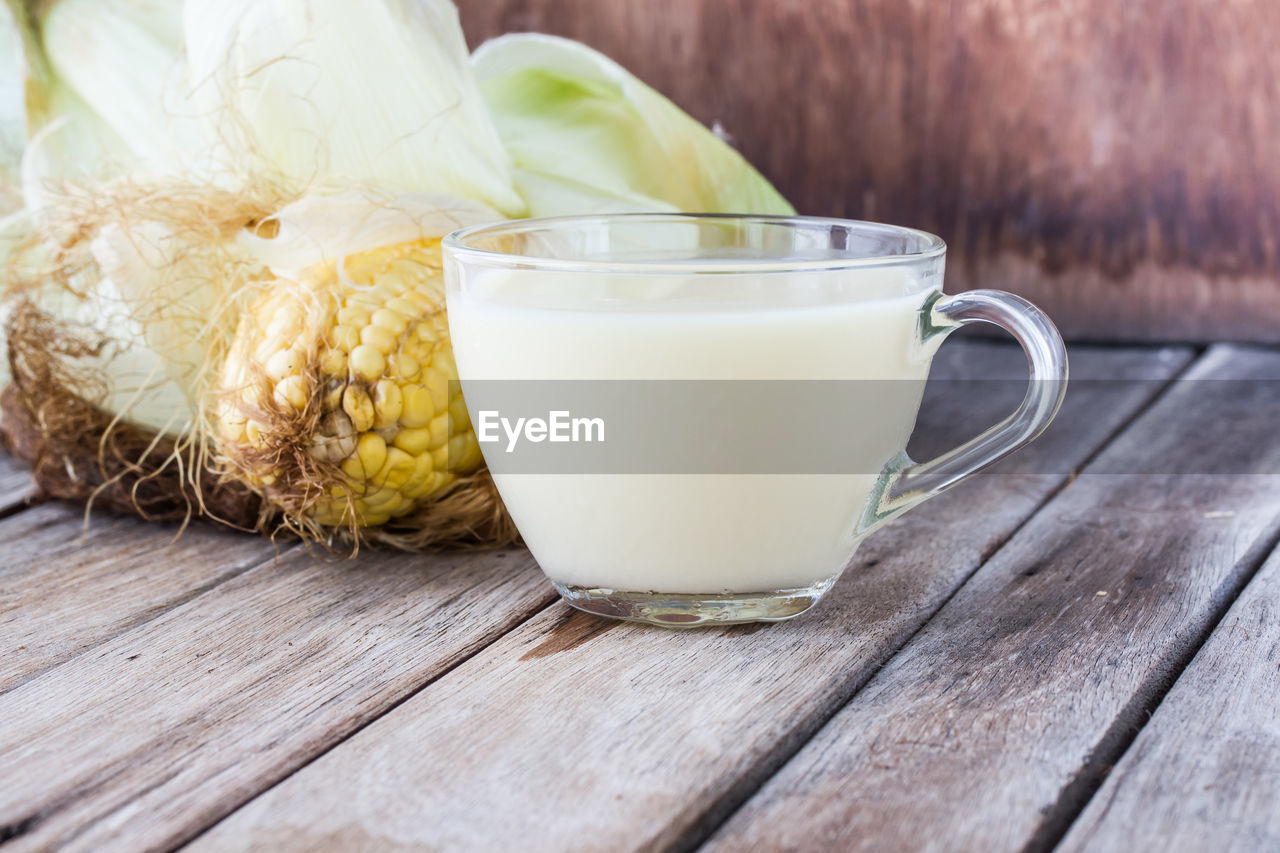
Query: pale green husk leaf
x=587 y=136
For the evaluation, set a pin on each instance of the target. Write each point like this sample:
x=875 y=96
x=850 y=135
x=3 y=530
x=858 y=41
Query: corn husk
x=330 y=93
x=586 y=136
x=273 y=142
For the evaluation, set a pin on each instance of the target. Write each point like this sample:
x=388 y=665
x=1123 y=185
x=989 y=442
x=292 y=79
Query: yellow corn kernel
x=422 y=482
x=460 y=418
x=444 y=362
x=439 y=427
x=328 y=514
x=333 y=363
x=356 y=316
x=337 y=510
x=357 y=488
x=253 y=431
x=293 y=391
x=285 y=323
x=404 y=366
x=359 y=407
x=286 y=362
x=392 y=503
x=415 y=442
x=382 y=500
x=270 y=345
x=438 y=384
x=230 y=422
x=380 y=339
x=345 y=338
x=464 y=453
x=391 y=320
x=388 y=403
x=405 y=306
x=440 y=458
x=396 y=470
x=369 y=457
x=367 y=362
x=423 y=304
x=417 y=409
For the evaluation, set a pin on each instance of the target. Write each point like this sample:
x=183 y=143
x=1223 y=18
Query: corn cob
x=337 y=397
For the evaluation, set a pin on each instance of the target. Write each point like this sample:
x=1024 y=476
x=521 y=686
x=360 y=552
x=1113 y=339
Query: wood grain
x=161 y=730
x=990 y=729
x=65 y=588
x=1204 y=774
x=574 y=732
x=15 y=482
x=1114 y=162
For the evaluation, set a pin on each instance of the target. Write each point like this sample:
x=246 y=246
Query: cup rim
x=455 y=245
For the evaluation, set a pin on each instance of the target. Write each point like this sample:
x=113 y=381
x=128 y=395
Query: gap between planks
x=1115 y=744
x=71 y=585
x=178 y=719
x=714 y=818
x=481 y=731
x=995 y=757
x=723 y=812
x=1204 y=772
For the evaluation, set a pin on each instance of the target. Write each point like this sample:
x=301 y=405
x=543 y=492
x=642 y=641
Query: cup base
x=675 y=610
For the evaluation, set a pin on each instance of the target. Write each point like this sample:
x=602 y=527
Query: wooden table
x=1080 y=649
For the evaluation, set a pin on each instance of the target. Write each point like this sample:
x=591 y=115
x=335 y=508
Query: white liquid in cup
x=696 y=533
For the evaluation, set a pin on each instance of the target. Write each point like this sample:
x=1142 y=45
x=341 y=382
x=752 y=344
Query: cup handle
x=905 y=482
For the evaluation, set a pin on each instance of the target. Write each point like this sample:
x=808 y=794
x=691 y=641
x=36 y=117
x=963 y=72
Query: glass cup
x=725 y=399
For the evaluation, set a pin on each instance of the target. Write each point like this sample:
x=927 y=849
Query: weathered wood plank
x=1045 y=140
x=65 y=588
x=164 y=728
x=579 y=733
x=991 y=726
x=1204 y=774
x=15 y=482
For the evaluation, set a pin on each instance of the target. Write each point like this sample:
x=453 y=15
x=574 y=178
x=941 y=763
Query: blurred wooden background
x=1116 y=162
